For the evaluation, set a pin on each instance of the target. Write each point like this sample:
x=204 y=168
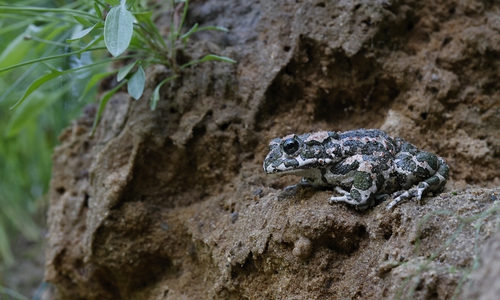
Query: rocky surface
x=173 y=203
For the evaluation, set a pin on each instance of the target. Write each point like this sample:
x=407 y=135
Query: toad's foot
x=302 y=184
x=415 y=192
x=346 y=197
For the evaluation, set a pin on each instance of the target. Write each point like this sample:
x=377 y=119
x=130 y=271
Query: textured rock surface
x=173 y=204
x=484 y=283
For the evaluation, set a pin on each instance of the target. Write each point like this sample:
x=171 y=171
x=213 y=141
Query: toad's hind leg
x=435 y=183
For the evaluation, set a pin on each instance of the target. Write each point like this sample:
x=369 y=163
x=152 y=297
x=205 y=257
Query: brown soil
x=173 y=203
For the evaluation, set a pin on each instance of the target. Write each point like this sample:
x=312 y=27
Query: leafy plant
x=52 y=53
x=126 y=26
x=29 y=133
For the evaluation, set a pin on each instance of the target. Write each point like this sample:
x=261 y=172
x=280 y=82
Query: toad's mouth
x=296 y=165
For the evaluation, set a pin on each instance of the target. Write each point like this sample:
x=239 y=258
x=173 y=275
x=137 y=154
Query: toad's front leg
x=346 y=197
x=363 y=190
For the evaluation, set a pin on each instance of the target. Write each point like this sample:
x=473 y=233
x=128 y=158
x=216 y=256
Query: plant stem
x=38 y=10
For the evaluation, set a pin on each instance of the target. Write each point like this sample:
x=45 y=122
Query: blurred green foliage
x=52 y=54
x=28 y=134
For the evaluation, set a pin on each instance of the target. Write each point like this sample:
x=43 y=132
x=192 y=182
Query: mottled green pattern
x=365 y=162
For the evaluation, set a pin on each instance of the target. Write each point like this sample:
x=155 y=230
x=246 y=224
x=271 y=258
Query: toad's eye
x=290 y=146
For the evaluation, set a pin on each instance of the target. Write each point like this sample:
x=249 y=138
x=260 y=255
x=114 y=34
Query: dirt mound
x=173 y=204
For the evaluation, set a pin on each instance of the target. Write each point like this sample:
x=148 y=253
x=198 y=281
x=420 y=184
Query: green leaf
x=136 y=83
x=155 y=97
x=29 y=110
x=144 y=16
x=42 y=13
x=83 y=33
x=83 y=21
x=218 y=28
x=152 y=30
x=113 y=2
x=92 y=43
x=183 y=18
x=17 y=50
x=5 y=251
x=12 y=294
x=98 y=10
x=93 y=82
x=36 y=84
x=129 y=3
x=191 y=31
x=66 y=54
x=145 y=19
x=136 y=42
x=53 y=33
x=208 y=58
x=217 y=57
x=16 y=85
x=118 y=29
x=123 y=72
x=104 y=100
